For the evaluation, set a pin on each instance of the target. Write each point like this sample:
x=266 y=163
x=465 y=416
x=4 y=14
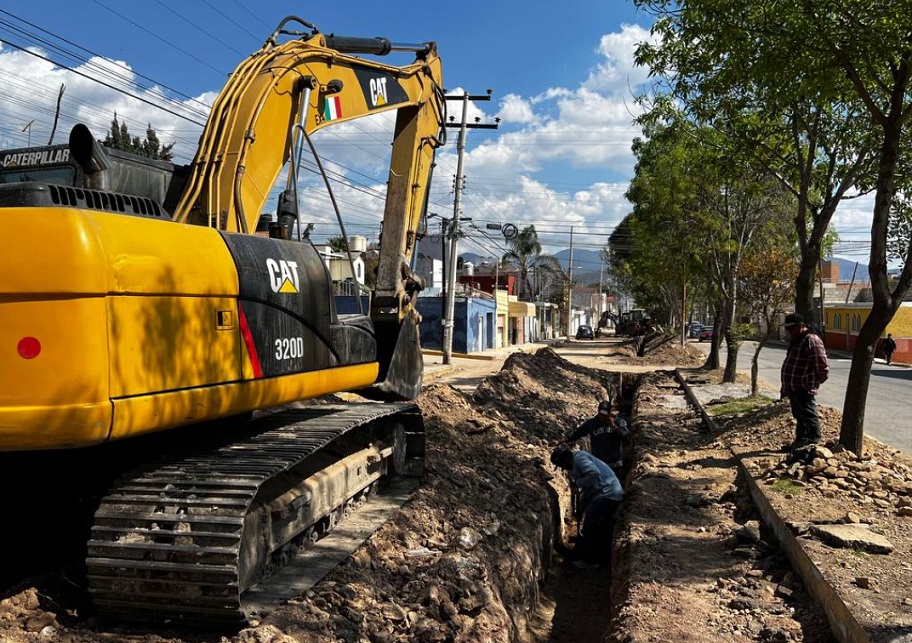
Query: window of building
x=837 y=321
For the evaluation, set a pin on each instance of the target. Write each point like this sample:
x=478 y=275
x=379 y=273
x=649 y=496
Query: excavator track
x=185 y=539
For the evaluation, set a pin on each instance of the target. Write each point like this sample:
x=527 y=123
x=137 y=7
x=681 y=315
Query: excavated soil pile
x=464 y=560
x=544 y=395
x=657 y=349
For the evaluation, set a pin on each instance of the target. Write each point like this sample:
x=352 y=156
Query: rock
x=41 y=621
x=264 y=634
x=904 y=511
x=468 y=539
x=852 y=537
x=743 y=604
x=864 y=582
x=799 y=528
x=746 y=552
x=749 y=533
x=48 y=632
x=852 y=518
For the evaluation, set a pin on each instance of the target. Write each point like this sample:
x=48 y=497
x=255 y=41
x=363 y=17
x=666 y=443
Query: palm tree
x=526 y=255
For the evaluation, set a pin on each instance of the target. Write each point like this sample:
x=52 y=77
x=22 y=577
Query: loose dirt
x=478 y=553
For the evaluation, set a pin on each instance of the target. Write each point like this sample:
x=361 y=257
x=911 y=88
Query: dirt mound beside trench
x=543 y=394
x=464 y=560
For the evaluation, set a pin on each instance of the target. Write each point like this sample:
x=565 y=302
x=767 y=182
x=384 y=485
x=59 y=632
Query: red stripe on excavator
x=248 y=341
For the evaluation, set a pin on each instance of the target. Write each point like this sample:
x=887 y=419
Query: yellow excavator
x=120 y=319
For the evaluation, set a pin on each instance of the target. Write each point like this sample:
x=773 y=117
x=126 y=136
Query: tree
x=337 y=244
x=525 y=254
x=697 y=211
x=857 y=63
x=768 y=284
x=119 y=138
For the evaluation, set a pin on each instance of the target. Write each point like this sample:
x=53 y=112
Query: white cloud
x=31 y=86
x=515 y=109
x=510 y=171
x=618 y=73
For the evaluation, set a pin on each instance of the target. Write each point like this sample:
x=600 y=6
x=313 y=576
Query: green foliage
x=337 y=244
x=787 y=486
x=739 y=406
x=119 y=138
x=525 y=254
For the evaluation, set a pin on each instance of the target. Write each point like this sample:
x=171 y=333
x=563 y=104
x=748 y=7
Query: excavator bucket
x=401 y=363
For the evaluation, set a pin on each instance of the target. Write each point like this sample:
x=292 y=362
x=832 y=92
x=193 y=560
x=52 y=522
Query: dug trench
x=478 y=552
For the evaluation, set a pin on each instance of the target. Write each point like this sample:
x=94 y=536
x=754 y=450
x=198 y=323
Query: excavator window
x=62 y=175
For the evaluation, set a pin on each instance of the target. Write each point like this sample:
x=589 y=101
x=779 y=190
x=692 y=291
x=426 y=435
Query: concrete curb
x=843 y=624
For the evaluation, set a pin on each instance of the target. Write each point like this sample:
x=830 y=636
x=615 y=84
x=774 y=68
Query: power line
x=159 y=38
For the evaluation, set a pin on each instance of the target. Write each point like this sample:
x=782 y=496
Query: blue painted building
x=473 y=325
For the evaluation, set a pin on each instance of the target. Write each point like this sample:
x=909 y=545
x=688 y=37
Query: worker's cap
x=560 y=454
x=793 y=319
x=604 y=407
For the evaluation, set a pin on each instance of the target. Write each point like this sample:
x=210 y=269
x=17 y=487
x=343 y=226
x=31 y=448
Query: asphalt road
x=888 y=415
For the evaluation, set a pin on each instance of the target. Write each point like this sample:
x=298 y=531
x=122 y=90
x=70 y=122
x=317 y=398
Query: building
x=844 y=321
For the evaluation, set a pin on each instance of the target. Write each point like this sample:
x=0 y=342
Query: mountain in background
x=846 y=266
x=586 y=264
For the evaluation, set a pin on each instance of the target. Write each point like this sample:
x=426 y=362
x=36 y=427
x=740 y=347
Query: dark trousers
x=889 y=355
x=597 y=532
x=804 y=410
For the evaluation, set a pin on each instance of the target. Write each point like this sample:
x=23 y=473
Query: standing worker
x=601 y=494
x=889 y=345
x=805 y=368
x=608 y=436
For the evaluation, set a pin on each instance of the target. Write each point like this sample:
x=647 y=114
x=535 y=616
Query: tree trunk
x=755 y=371
x=712 y=359
x=851 y=432
x=804 y=283
x=731 y=359
x=755 y=360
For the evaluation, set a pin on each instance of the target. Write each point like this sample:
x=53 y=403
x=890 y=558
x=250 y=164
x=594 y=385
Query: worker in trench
x=601 y=495
x=608 y=434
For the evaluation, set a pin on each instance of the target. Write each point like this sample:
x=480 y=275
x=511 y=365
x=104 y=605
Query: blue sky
x=562 y=74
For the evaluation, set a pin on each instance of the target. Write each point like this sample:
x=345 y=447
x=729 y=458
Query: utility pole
x=28 y=128
x=570 y=285
x=454 y=226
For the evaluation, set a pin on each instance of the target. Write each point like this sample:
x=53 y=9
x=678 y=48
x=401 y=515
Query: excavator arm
x=307 y=84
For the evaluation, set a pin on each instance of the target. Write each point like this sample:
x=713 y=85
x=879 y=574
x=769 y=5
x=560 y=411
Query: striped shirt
x=805 y=367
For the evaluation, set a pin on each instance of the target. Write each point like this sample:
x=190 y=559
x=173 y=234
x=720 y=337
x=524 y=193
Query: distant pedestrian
x=805 y=368
x=607 y=434
x=889 y=345
x=602 y=494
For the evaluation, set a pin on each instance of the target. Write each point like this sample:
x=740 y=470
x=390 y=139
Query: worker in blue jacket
x=602 y=494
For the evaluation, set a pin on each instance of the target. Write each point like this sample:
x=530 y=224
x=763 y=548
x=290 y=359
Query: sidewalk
x=434 y=367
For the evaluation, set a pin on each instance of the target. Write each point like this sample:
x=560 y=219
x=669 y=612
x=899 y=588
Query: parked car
x=694 y=330
x=706 y=334
x=585 y=332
